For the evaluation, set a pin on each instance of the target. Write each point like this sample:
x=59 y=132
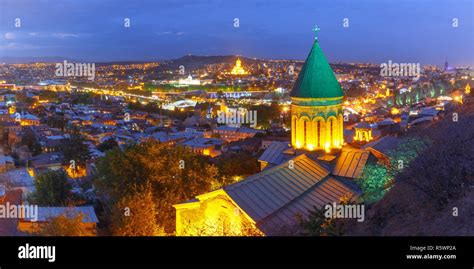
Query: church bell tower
x=316 y=105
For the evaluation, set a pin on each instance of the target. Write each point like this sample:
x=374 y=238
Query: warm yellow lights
x=237 y=178
x=77 y=172
x=213 y=214
x=298 y=144
x=395 y=111
x=468 y=89
x=363 y=134
x=458 y=98
x=238 y=70
x=317 y=132
x=327 y=147
x=31 y=172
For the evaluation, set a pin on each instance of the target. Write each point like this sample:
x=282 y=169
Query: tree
x=373 y=182
x=52 y=189
x=64 y=225
x=22 y=97
x=313 y=225
x=267 y=114
x=135 y=215
x=173 y=175
x=317 y=224
x=214 y=229
x=376 y=179
x=57 y=121
x=107 y=145
x=236 y=165
x=84 y=98
x=75 y=149
x=29 y=139
x=51 y=96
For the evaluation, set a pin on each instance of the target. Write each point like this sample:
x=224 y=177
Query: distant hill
x=189 y=61
x=194 y=61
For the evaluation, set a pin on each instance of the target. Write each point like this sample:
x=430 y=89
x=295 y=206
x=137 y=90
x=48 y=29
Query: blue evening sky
x=379 y=30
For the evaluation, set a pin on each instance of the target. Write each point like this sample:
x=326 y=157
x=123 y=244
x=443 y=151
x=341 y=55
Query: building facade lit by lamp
x=363 y=132
x=316 y=105
x=189 y=81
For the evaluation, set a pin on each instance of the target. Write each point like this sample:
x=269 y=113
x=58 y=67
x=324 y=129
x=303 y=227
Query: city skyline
x=135 y=123
x=400 y=31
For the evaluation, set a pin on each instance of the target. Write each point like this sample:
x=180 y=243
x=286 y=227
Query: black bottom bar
x=265 y=250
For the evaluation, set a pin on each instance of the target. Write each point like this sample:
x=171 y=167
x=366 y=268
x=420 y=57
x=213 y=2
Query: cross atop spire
x=316 y=79
x=316 y=30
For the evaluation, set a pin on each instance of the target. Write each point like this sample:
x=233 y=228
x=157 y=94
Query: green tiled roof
x=316 y=79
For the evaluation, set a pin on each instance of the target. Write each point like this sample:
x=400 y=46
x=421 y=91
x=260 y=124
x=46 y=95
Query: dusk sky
x=93 y=30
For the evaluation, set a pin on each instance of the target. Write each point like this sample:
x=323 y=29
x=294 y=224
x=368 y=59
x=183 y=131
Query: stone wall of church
x=216 y=216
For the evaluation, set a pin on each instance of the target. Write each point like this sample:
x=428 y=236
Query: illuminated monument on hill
x=238 y=69
x=316 y=109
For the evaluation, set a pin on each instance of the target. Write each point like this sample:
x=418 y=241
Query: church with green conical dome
x=316 y=109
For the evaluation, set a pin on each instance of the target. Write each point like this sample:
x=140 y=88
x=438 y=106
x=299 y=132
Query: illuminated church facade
x=316 y=109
